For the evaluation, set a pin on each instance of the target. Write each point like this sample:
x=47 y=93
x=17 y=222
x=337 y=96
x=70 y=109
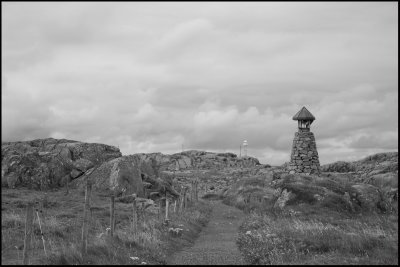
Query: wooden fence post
x=159 y=209
x=112 y=215
x=86 y=211
x=142 y=213
x=196 y=193
x=166 y=208
x=28 y=233
x=67 y=192
x=180 y=202
x=184 y=199
x=175 y=206
x=179 y=199
x=134 y=219
x=194 y=190
x=191 y=191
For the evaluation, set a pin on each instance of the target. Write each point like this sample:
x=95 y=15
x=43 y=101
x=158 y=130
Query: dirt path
x=216 y=243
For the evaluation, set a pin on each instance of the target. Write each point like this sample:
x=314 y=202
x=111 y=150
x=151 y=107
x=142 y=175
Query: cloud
x=385 y=140
x=148 y=78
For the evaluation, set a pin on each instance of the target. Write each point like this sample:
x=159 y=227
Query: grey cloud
x=150 y=79
x=386 y=140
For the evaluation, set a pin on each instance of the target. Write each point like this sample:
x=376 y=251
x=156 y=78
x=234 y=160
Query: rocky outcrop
x=194 y=159
x=283 y=198
x=339 y=166
x=380 y=170
x=120 y=176
x=371 y=165
x=46 y=163
x=129 y=175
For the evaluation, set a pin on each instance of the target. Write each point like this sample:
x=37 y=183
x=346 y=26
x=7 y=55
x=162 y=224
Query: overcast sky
x=151 y=77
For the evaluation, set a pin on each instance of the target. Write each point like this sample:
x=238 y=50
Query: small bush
x=303 y=193
x=212 y=196
x=333 y=186
x=254 y=181
x=338 y=203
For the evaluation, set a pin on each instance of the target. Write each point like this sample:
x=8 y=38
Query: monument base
x=304 y=158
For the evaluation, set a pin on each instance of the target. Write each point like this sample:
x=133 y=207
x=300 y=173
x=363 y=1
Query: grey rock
x=42 y=163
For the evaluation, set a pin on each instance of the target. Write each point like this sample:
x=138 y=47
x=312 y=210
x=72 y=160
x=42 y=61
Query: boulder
x=75 y=173
x=127 y=175
x=283 y=198
x=184 y=162
x=42 y=163
x=83 y=164
x=367 y=196
x=120 y=176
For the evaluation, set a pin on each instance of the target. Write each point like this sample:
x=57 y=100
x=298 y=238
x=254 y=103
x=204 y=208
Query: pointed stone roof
x=303 y=114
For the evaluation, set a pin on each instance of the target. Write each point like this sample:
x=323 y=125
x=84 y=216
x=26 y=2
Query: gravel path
x=216 y=243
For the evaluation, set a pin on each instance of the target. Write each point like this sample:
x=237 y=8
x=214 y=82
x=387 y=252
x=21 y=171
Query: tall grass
x=151 y=243
x=320 y=223
x=292 y=239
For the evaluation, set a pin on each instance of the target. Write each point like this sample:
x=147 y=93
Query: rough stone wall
x=304 y=157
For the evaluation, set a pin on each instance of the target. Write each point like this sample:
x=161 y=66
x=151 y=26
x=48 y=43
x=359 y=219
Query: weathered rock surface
x=283 y=198
x=371 y=186
x=44 y=163
x=194 y=159
x=119 y=176
x=128 y=175
x=380 y=170
x=47 y=163
x=371 y=165
x=367 y=196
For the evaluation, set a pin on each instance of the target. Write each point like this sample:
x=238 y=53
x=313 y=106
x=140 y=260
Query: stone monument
x=304 y=157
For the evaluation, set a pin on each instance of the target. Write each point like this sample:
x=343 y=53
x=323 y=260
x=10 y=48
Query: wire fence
x=165 y=205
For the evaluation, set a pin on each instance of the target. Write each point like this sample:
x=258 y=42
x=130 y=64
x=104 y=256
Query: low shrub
x=254 y=181
x=212 y=196
x=338 y=203
x=303 y=193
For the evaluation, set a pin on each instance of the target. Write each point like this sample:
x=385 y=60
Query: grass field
x=319 y=237
x=308 y=230
x=61 y=219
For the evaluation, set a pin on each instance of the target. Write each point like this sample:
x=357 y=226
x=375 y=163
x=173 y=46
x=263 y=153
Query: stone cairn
x=304 y=157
